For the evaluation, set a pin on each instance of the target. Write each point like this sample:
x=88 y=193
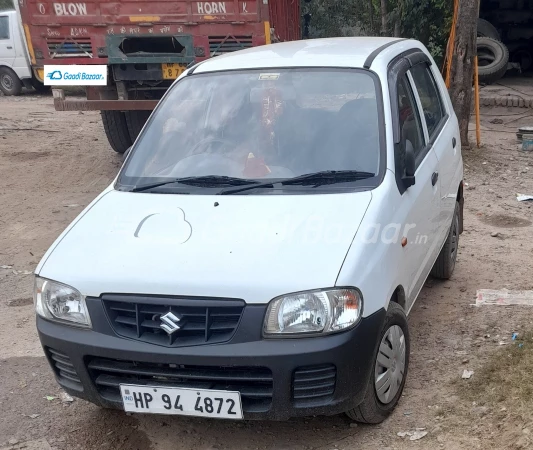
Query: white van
x=15 y=68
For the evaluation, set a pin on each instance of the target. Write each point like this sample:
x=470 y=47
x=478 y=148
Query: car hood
x=253 y=247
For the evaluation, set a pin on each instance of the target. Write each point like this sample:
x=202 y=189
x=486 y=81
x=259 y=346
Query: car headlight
x=59 y=302
x=313 y=312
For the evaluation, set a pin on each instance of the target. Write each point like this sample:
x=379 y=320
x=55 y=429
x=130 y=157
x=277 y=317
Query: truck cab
x=15 y=68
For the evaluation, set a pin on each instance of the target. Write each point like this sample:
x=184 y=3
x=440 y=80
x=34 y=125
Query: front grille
x=254 y=383
x=219 y=45
x=201 y=321
x=313 y=385
x=70 y=48
x=64 y=370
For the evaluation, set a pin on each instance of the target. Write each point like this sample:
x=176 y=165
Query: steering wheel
x=208 y=141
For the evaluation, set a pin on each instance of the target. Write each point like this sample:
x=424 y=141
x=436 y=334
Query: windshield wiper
x=204 y=181
x=313 y=179
x=328 y=177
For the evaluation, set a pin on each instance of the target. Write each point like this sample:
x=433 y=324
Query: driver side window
x=4 y=27
x=411 y=133
x=430 y=98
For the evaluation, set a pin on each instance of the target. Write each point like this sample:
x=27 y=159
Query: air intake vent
x=314 y=385
x=70 y=48
x=64 y=370
x=254 y=383
x=218 y=45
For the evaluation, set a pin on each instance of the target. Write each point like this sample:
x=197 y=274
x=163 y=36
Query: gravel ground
x=52 y=164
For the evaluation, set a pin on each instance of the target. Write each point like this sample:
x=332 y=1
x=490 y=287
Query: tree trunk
x=398 y=29
x=384 y=28
x=371 y=17
x=462 y=71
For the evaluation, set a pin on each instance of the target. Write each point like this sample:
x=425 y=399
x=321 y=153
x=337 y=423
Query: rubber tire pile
x=492 y=53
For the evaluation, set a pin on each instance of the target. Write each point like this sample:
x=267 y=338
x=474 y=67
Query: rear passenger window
x=410 y=127
x=430 y=98
x=4 y=27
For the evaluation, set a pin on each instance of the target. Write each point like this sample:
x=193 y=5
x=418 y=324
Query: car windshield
x=260 y=125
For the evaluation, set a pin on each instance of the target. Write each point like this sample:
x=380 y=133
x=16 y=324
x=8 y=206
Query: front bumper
x=277 y=378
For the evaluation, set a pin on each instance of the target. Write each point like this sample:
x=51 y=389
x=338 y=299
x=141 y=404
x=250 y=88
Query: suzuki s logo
x=170 y=323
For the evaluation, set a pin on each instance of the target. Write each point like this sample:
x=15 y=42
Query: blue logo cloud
x=55 y=75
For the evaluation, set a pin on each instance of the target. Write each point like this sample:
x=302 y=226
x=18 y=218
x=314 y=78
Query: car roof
x=332 y=52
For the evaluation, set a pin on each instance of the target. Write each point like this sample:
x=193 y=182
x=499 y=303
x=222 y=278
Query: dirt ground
x=52 y=164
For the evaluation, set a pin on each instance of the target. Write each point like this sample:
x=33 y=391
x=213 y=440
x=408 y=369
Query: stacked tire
x=492 y=53
x=486 y=29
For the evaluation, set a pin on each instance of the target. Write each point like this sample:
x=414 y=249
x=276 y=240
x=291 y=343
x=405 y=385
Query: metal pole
x=476 y=96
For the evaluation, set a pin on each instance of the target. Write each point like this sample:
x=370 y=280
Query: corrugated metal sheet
x=285 y=19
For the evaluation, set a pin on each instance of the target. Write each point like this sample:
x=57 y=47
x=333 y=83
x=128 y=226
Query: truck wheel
x=493 y=57
x=136 y=121
x=116 y=130
x=40 y=87
x=10 y=84
x=486 y=29
x=445 y=263
x=389 y=373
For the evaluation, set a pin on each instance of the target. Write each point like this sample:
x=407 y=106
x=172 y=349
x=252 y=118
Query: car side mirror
x=126 y=153
x=410 y=165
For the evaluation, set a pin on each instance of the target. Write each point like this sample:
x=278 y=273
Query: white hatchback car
x=268 y=234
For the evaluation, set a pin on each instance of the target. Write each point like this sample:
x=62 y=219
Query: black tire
x=486 y=29
x=10 y=84
x=372 y=410
x=40 y=87
x=445 y=263
x=493 y=57
x=116 y=130
x=136 y=121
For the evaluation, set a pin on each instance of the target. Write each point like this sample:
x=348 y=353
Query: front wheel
x=389 y=373
x=10 y=84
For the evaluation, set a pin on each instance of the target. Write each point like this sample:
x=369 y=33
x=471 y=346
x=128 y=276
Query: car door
x=7 y=46
x=421 y=200
x=442 y=131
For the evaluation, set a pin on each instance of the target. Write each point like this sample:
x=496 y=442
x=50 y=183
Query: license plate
x=181 y=401
x=172 y=71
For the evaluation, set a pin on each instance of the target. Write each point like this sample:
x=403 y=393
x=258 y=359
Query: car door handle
x=434 y=178
x=9 y=47
x=454 y=142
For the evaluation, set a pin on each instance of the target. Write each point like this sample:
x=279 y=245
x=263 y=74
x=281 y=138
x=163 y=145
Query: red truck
x=146 y=45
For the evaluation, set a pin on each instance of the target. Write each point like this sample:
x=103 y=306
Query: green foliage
x=426 y=20
x=332 y=18
x=429 y=21
x=6 y=4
